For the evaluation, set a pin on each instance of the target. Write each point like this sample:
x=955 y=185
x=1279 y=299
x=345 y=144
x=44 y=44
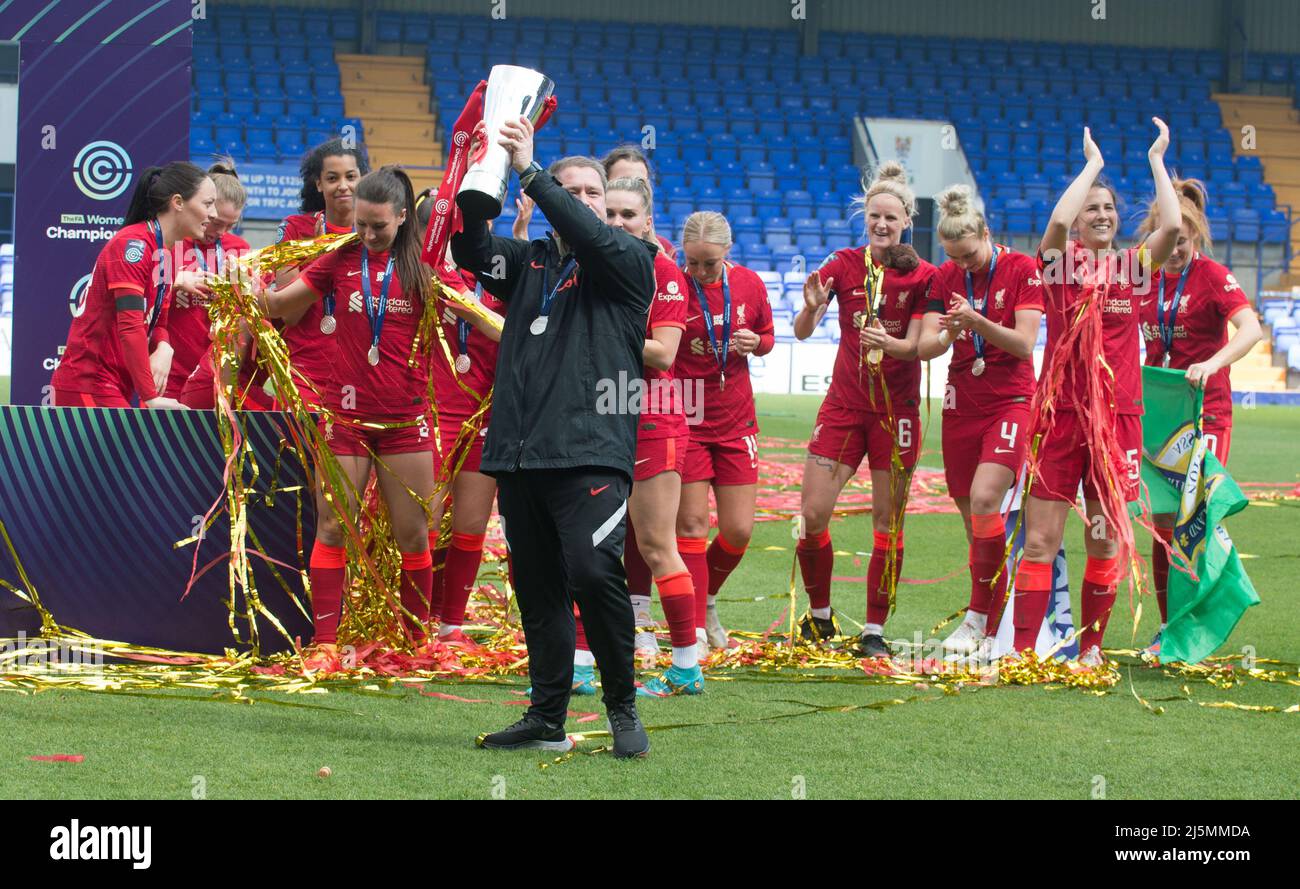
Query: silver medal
x=1165 y=360
x=462 y=364
x=538 y=327
x=373 y=356
x=328 y=324
x=875 y=355
x=978 y=367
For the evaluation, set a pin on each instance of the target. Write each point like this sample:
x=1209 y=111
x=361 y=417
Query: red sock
x=694 y=552
x=877 y=587
x=463 y=560
x=677 y=596
x=1160 y=571
x=1098 y=595
x=327 y=575
x=723 y=557
x=638 y=572
x=580 y=641
x=1033 y=587
x=439 y=574
x=988 y=543
x=417 y=578
x=816 y=559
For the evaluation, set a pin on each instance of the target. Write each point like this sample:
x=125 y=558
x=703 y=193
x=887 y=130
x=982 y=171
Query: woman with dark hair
x=377 y=403
x=118 y=346
x=330 y=175
x=188 y=325
x=1186 y=328
x=460 y=384
x=1089 y=419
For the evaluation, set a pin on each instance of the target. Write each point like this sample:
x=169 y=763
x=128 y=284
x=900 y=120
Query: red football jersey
x=661 y=408
x=1065 y=287
x=391 y=389
x=1210 y=297
x=1006 y=378
x=727 y=413
x=311 y=351
x=131 y=262
x=187 y=319
x=903 y=297
x=455 y=405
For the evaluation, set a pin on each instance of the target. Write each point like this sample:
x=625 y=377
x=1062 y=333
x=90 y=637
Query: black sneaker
x=817 y=629
x=530 y=733
x=630 y=739
x=872 y=645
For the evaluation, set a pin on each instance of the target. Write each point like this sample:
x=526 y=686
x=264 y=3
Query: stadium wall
x=1269 y=25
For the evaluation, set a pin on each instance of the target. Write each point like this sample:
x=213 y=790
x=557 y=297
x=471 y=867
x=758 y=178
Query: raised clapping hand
x=1157 y=149
x=744 y=342
x=961 y=316
x=517 y=138
x=1091 y=153
x=816 y=295
x=192 y=282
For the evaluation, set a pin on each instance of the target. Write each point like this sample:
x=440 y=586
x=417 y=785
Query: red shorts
x=448 y=431
x=1001 y=438
x=1219 y=440
x=846 y=436
x=732 y=462
x=64 y=398
x=1064 y=460
x=349 y=438
x=661 y=455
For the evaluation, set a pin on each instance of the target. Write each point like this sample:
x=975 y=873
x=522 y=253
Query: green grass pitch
x=750 y=736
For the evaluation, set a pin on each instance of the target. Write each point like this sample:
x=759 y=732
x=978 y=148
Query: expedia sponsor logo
x=672 y=287
x=670 y=297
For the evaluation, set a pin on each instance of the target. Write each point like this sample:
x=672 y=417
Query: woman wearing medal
x=728 y=318
x=460 y=385
x=986 y=303
x=1091 y=430
x=377 y=402
x=1186 y=328
x=872 y=408
x=330 y=173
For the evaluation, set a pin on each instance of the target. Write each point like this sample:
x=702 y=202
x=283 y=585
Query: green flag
x=1186 y=480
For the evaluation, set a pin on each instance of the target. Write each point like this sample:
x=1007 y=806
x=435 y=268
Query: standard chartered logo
x=77 y=298
x=102 y=170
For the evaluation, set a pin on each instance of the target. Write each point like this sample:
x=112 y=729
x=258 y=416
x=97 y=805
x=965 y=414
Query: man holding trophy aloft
x=576 y=310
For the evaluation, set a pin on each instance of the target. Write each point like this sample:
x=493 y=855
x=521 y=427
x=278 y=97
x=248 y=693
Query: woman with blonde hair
x=872 y=408
x=986 y=304
x=728 y=318
x=1186 y=328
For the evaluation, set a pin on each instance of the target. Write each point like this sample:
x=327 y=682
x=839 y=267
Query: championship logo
x=77 y=298
x=134 y=251
x=102 y=170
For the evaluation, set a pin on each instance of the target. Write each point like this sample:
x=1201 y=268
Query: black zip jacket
x=545 y=411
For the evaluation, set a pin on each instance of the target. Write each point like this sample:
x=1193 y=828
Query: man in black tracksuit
x=576 y=316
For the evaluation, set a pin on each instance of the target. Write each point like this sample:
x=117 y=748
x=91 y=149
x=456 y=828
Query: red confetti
x=59 y=757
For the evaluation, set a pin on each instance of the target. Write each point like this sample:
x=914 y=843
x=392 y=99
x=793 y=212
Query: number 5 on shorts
x=1133 y=464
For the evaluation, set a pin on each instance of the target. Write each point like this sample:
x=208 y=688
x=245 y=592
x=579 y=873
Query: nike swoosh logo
x=642 y=460
x=1147 y=302
x=690 y=318
x=354 y=274
x=1004 y=450
x=595 y=491
x=535 y=265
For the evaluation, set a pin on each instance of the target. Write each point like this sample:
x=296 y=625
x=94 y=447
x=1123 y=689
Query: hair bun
x=891 y=171
x=223 y=166
x=954 y=201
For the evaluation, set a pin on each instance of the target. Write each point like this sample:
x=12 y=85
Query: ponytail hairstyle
x=313 y=164
x=390 y=185
x=424 y=207
x=891 y=178
x=641 y=189
x=626 y=153
x=707 y=226
x=229 y=188
x=1191 y=201
x=156 y=186
x=958 y=216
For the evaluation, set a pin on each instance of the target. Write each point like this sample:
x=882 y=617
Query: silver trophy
x=512 y=92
